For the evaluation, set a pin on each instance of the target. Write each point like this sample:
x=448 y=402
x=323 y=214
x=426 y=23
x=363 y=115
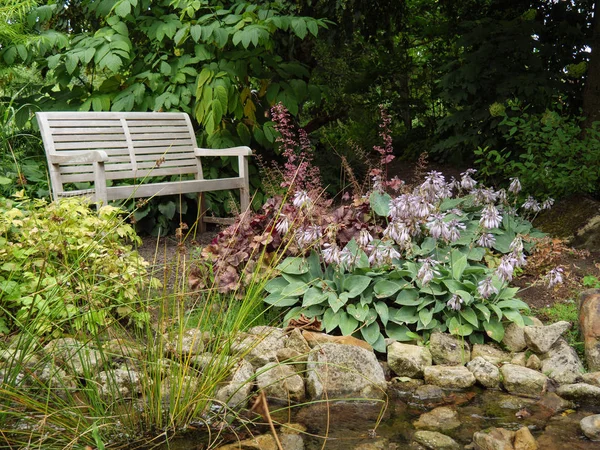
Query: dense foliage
x=64 y=268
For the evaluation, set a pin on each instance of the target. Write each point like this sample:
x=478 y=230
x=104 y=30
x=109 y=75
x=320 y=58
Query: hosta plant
x=65 y=267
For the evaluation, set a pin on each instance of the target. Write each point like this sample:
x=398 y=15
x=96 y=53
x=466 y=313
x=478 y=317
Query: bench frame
x=100 y=146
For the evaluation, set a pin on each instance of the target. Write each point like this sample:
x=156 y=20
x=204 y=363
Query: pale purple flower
x=301 y=198
x=283 y=226
x=383 y=253
x=490 y=217
x=467 y=183
x=555 y=276
x=486 y=288
x=434 y=187
x=427 y=271
x=454 y=227
x=377 y=183
x=483 y=196
x=346 y=257
x=398 y=232
x=486 y=240
x=437 y=227
x=455 y=303
x=502 y=197
x=547 y=204
x=331 y=254
x=364 y=238
x=515 y=186
x=531 y=204
x=422 y=208
x=506 y=268
x=307 y=236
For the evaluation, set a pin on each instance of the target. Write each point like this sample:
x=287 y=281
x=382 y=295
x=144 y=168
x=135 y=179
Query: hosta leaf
x=432 y=325
x=335 y=302
x=293 y=266
x=371 y=333
x=514 y=303
x=348 y=324
x=356 y=284
x=497 y=310
x=406 y=314
x=408 y=297
x=459 y=329
x=470 y=316
x=276 y=285
x=425 y=316
x=514 y=316
x=476 y=254
x=380 y=203
x=454 y=285
x=294 y=289
x=459 y=264
x=386 y=288
x=383 y=312
x=167 y=209
x=494 y=329
x=313 y=296
x=397 y=332
x=277 y=299
x=359 y=312
x=484 y=310
x=331 y=320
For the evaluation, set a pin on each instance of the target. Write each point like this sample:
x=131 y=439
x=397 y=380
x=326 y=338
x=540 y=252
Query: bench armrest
x=79 y=157
x=234 y=151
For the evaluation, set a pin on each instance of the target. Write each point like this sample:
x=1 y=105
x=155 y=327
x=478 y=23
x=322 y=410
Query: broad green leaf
x=408 y=297
x=514 y=316
x=335 y=302
x=494 y=329
x=294 y=289
x=508 y=294
x=165 y=68
x=383 y=312
x=459 y=263
x=204 y=77
x=425 y=316
x=469 y=315
x=371 y=333
x=220 y=93
x=514 y=303
x=313 y=296
x=358 y=311
x=331 y=320
x=299 y=27
x=5 y=181
x=276 y=285
x=123 y=8
x=380 y=203
x=484 y=311
x=454 y=285
x=497 y=310
x=476 y=254
x=432 y=325
x=348 y=324
x=503 y=241
x=293 y=266
x=167 y=209
x=398 y=332
x=356 y=284
x=277 y=299
x=459 y=329
x=385 y=288
x=71 y=62
x=406 y=314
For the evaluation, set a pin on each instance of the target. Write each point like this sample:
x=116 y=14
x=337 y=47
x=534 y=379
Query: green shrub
x=66 y=268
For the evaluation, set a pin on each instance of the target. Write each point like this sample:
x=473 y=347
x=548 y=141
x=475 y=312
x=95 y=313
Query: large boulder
x=280 y=382
x=514 y=337
x=343 y=371
x=520 y=380
x=541 y=338
x=260 y=345
x=561 y=363
x=580 y=392
x=408 y=360
x=189 y=342
x=486 y=373
x=589 y=322
x=449 y=350
x=119 y=383
x=450 y=377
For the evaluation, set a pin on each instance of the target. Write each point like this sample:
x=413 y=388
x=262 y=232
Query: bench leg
x=201 y=213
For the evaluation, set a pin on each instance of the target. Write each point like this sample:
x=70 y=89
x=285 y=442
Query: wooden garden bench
x=100 y=146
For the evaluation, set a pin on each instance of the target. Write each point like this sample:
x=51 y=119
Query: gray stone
x=408 y=360
x=292 y=357
x=296 y=341
x=523 y=381
x=281 y=382
x=443 y=418
x=261 y=345
x=519 y=359
x=56 y=379
x=514 y=338
x=379 y=444
x=428 y=392
x=74 y=356
x=205 y=360
x=591 y=378
x=589 y=323
x=432 y=440
x=450 y=377
x=188 y=342
x=344 y=371
x=561 y=363
x=449 y=350
x=494 y=439
x=486 y=373
x=579 y=392
x=552 y=402
x=540 y=338
x=289 y=438
x=524 y=440
x=590 y=426
x=406 y=384
x=490 y=353
x=118 y=350
x=119 y=383
x=237 y=390
x=533 y=362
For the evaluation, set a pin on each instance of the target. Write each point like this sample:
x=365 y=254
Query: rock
x=205 y=360
x=449 y=350
x=486 y=373
x=589 y=323
x=281 y=382
x=297 y=342
x=183 y=388
x=408 y=360
x=237 y=391
x=380 y=444
x=293 y=358
x=406 y=384
x=119 y=383
x=450 y=377
x=591 y=378
x=524 y=440
x=188 y=342
x=519 y=359
x=289 y=435
x=74 y=356
x=54 y=378
x=428 y=392
x=314 y=339
x=494 y=439
x=443 y=418
x=540 y=338
x=490 y=353
x=260 y=346
x=121 y=350
x=514 y=337
x=344 y=371
x=533 y=362
x=433 y=440
x=555 y=404
x=579 y=392
x=561 y=363
x=519 y=380
x=590 y=426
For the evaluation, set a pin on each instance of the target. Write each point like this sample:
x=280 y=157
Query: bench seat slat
x=89 y=137
x=87 y=131
x=83 y=123
x=173 y=128
x=89 y=145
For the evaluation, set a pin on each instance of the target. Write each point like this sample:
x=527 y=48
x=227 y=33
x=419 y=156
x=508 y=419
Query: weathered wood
x=97 y=147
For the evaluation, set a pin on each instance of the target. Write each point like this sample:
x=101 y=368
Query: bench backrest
x=137 y=144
